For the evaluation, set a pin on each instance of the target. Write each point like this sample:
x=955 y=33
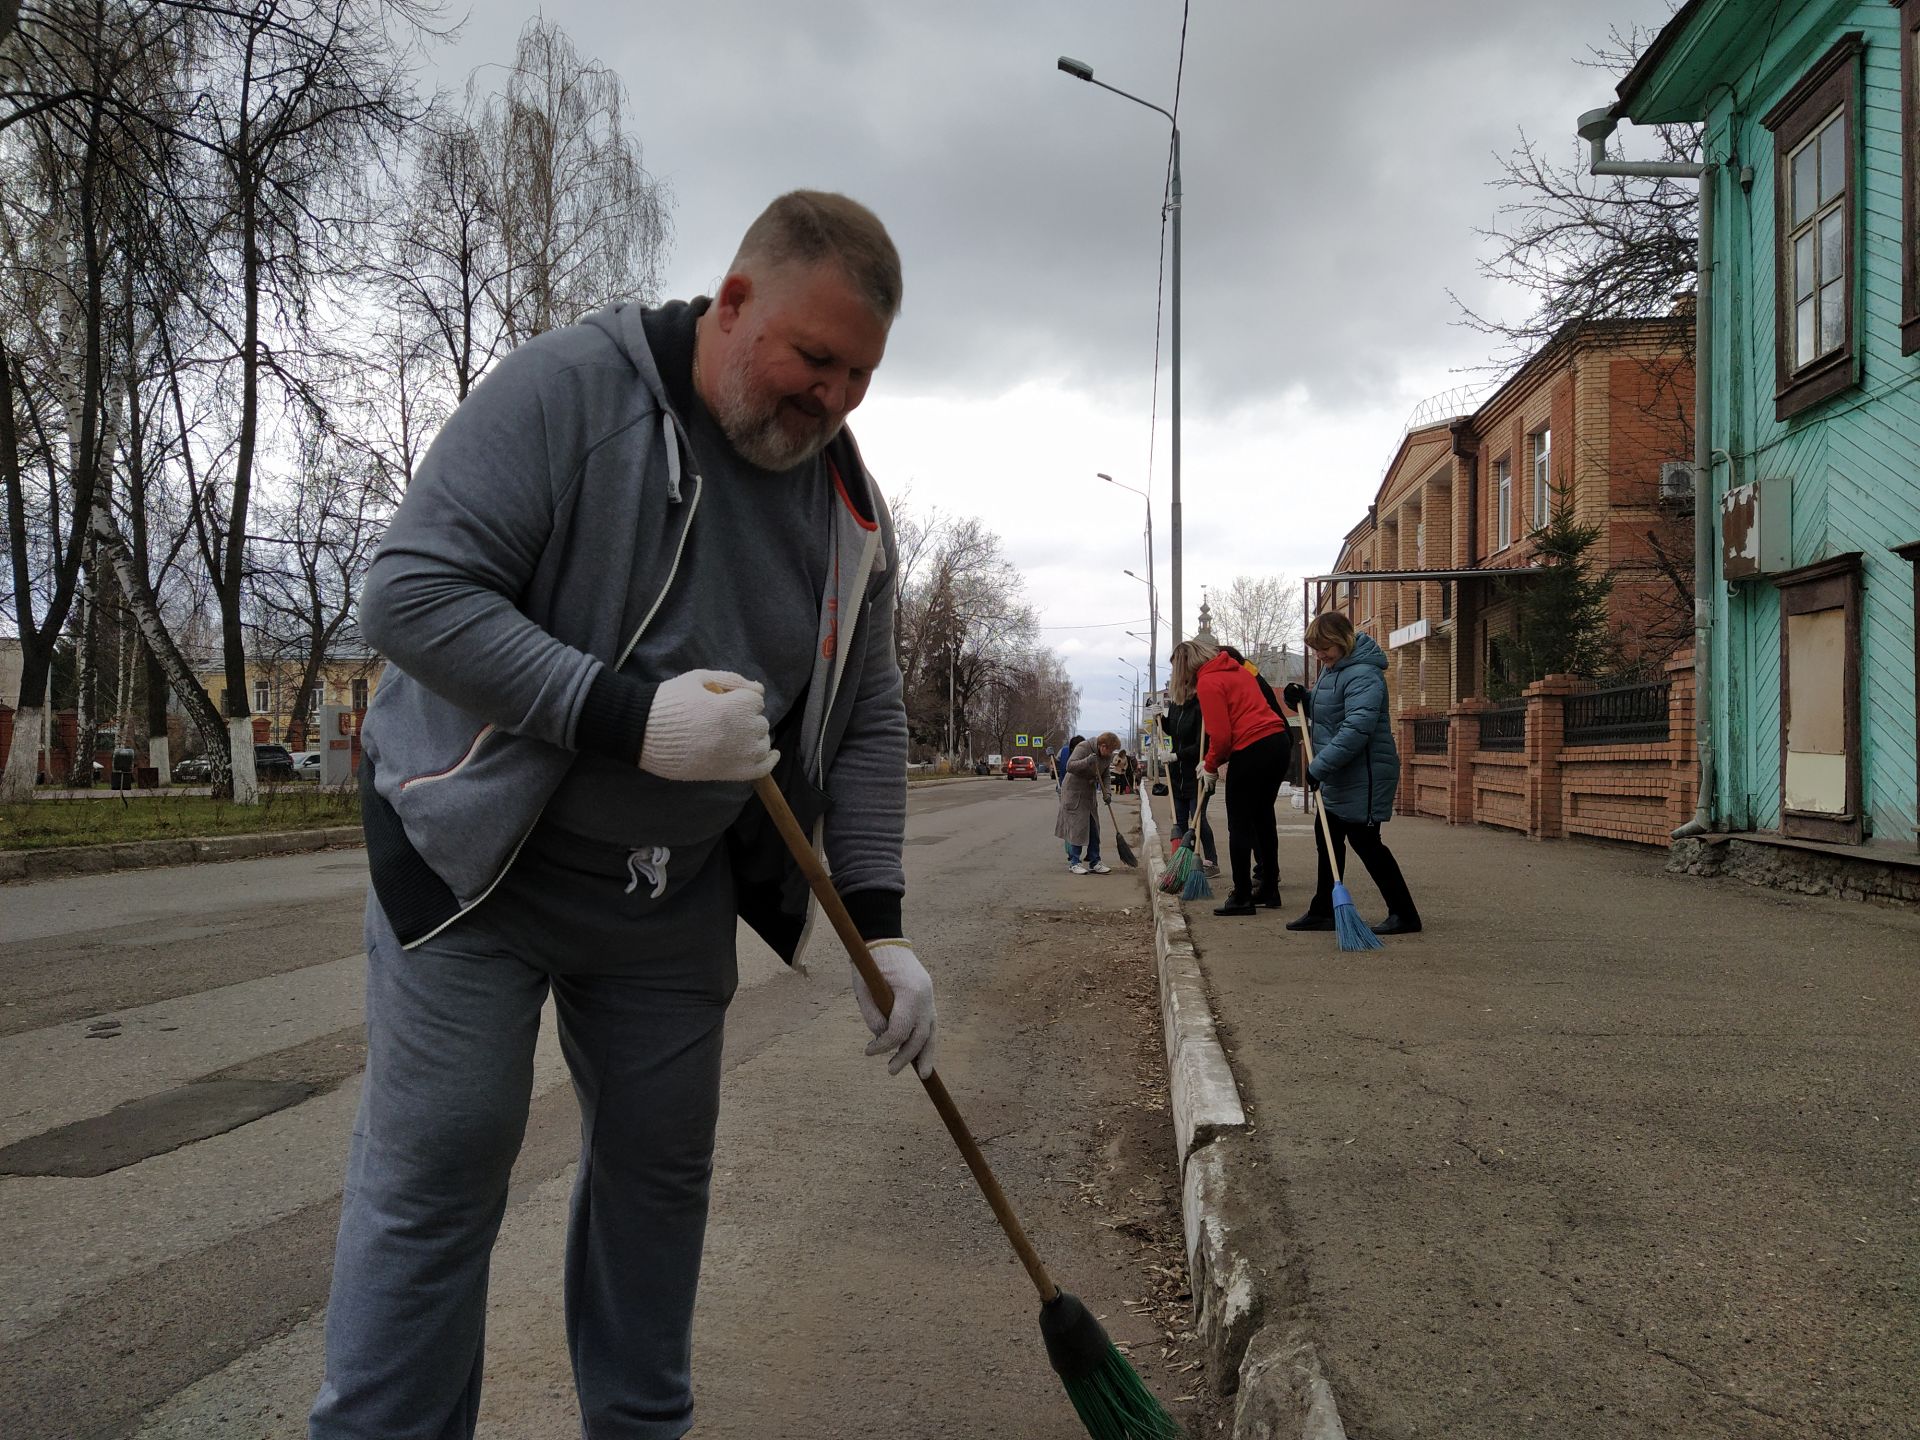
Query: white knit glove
x=908 y=1032
x=708 y=725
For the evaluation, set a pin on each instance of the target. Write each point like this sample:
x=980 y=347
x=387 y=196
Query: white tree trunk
x=146 y=614
x=246 y=783
x=86 y=680
x=23 y=760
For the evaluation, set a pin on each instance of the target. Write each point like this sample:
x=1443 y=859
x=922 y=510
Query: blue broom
x=1354 y=933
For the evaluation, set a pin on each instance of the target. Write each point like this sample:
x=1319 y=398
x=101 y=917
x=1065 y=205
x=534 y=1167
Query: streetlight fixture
x=1153 y=606
x=1134 y=725
x=1153 y=614
x=1080 y=70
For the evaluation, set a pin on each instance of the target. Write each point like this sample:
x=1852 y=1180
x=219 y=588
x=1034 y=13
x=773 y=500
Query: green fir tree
x=1562 y=626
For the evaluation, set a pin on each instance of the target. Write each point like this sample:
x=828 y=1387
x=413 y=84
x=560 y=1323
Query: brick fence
x=1560 y=780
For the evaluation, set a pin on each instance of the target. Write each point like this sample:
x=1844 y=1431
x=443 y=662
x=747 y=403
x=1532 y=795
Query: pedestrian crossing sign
x=1019 y=742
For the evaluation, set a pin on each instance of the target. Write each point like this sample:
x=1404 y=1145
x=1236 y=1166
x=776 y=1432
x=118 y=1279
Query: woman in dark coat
x=1355 y=768
x=1181 y=725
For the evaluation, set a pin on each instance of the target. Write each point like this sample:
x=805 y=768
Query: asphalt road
x=180 y=1054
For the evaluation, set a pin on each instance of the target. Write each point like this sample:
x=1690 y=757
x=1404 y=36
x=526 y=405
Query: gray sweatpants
x=640 y=986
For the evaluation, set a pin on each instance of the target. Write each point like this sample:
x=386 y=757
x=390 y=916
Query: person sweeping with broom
x=1246 y=733
x=638 y=611
x=1181 y=724
x=1083 y=786
x=641 y=567
x=1355 y=768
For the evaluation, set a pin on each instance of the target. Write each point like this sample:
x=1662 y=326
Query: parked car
x=306 y=765
x=272 y=762
x=194 y=770
x=1021 y=767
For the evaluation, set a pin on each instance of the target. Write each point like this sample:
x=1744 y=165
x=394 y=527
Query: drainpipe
x=1595 y=127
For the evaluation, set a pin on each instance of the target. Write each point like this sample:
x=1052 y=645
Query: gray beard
x=752 y=426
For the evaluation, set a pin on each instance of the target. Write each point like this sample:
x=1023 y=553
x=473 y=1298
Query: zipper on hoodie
x=668 y=421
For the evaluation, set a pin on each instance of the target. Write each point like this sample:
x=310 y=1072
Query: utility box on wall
x=1756 y=529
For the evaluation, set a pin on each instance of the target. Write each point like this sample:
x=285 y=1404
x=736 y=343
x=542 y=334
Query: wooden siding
x=1853 y=460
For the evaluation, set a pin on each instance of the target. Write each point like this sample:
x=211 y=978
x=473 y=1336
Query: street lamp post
x=1153 y=609
x=1153 y=617
x=1082 y=71
x=1135 y=722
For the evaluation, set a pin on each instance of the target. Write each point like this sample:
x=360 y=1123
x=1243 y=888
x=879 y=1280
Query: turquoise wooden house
x=1812 y=128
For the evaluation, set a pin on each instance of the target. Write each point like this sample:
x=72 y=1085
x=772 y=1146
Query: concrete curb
x=22 y=865
x=1274 y=1368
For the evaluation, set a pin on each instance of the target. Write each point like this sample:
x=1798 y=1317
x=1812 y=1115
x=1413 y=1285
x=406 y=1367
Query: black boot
x=1312 y=920
x=1268 y=899
x=1236 y=904
x=1397 y=924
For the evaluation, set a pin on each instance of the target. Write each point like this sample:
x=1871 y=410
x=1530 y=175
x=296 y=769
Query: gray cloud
x=1336 y=159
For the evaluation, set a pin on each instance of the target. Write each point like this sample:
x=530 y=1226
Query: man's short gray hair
x=809 y=226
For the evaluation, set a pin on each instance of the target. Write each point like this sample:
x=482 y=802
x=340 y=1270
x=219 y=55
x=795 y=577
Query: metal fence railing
x=1430 y=736
x=1619 y=715
x=1505 y=726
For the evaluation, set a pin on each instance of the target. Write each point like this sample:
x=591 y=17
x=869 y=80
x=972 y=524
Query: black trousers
x=1253 y=784
x=1186 y=799
x=1373 y=852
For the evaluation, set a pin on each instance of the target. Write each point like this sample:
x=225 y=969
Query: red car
x=1020 y=767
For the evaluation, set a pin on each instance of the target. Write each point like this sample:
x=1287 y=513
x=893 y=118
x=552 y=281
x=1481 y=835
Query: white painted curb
x=1281 y=1389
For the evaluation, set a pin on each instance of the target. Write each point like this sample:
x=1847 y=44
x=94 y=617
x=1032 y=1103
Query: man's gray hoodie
x=538 y=539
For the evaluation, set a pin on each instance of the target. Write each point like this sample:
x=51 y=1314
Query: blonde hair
x=1331 y=630
x=806 y=227
x=1183 y=665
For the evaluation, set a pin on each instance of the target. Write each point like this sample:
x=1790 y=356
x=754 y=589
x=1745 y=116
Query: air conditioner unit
x=1676 y=480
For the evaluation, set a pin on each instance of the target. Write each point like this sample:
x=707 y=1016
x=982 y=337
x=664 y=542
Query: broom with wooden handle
x=1106 y=1392
x=1354 y=933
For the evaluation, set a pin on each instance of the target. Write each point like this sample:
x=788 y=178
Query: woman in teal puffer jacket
x=1355 y=768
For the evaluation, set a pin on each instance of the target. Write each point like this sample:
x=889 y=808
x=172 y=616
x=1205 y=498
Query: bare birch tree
x=581 y=222
x=299 y=92
x=1259 y=615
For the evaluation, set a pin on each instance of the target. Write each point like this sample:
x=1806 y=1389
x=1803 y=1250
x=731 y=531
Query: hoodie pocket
x=454 y=769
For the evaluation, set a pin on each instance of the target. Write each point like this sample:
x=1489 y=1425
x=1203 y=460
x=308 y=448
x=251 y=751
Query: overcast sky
x=1336 y=162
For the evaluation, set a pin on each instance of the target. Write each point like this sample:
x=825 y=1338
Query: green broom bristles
x=1113 y=1403
x=1176 y=877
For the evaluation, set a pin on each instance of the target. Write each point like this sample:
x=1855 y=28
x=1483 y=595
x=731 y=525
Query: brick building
x=1597 y=420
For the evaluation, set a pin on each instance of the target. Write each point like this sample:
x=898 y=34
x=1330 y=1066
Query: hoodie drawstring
x=670 y=436
x=648 y=863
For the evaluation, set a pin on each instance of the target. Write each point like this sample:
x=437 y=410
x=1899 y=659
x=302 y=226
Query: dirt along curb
x=21 y=865
x=1254 y=1347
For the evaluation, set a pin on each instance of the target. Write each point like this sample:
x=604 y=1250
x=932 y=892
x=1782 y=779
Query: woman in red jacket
x=1244 y=730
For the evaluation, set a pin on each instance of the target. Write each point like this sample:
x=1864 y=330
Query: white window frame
x=262 y=697
x=1819 y=280
x=1503 y=489
x=1542 y=475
